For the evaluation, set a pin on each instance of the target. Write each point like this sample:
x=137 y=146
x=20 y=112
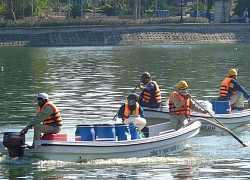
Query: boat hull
x=230 y=121
x=169 y=142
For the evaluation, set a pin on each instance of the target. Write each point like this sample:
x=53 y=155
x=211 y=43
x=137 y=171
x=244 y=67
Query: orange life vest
x=224 y=87
x=146 y=96
x=185 y=109
x=127 y=111
x=55 y=118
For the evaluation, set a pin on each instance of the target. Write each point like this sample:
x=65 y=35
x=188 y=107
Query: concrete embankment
x=124 y=35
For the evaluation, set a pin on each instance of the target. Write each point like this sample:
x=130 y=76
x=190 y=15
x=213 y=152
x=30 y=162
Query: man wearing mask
x=231 y=90
x=48 y=119
x=180 y=106
x=131 y=107
x=151 y=95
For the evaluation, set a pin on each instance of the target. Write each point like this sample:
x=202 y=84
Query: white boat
x=160 y=139
x=231 y=121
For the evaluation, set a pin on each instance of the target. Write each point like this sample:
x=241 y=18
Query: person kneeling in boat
x=180 y=106
x=131 y=111
x=151 y=94
x=231 y=90
x=48 y=119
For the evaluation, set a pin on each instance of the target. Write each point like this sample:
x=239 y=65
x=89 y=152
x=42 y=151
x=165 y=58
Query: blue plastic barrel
x=133 y=131
x=86 y=132
x=222 y=107
x=105 y=131
x=121 y=131
x=213 y=102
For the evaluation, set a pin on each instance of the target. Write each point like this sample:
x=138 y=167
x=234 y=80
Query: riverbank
x=124 y=35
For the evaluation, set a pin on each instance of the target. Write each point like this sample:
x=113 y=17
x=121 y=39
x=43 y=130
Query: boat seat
x=168 y=131
x=55 y=137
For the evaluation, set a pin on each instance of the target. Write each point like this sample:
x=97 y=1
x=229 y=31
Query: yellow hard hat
x=182 y=85
x=233 y=72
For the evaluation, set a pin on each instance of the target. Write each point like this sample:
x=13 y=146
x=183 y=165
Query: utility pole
x=32 y=8
x=139 y=9
x=181 y=11
x=135 y=9
x=81 y=8
x=23 y=9
x=197 y=8
x=156 y=8
x=209 y=4
x=69 y=8
x=122 y=9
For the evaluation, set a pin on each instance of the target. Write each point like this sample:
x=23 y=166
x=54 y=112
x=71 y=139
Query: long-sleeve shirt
x=152 y=103
x=42 y=116
x=234 y=85
x=179 y=104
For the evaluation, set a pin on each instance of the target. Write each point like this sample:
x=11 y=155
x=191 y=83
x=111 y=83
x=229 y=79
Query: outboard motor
x=14 y=142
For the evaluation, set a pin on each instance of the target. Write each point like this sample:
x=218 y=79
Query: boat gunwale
x=244 y=113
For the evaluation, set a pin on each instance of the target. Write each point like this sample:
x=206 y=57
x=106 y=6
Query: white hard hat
x=42 y=96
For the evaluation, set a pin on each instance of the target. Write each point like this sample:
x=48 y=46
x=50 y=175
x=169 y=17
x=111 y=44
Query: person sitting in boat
x=151 y=94
x=231 y=90
x=131 y=111
x=180 y=106
x=48 y=119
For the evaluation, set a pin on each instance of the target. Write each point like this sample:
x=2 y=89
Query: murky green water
x=90 y=83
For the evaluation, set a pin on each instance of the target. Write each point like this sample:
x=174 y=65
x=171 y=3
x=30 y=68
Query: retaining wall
x=125 y=35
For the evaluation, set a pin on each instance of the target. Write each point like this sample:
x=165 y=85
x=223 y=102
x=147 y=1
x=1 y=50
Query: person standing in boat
x=48 y=119
x=151 y=94
x=231 y=90
x=180 y=106
x=132 y=107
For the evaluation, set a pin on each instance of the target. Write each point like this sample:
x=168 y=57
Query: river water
x=88 y=84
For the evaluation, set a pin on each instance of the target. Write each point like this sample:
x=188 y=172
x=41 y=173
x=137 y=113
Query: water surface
x=88 y=84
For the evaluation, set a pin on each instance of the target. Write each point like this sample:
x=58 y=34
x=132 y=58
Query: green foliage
x=201 y=7
x=108 y=10
x=3 y=10
x=241 y=6
x=52 y=22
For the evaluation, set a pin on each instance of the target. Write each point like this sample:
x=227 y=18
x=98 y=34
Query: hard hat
x=145 y=75
x=42 y=96
x=233 y=72
x=132 y=99
x=182 y=85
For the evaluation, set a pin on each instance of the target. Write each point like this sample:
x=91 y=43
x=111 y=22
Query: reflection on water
x=88 y=84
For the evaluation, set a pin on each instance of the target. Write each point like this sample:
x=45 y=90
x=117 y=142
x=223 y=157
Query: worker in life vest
x=151 y=94
x=231 y=90
x=48 y=119
x=180 y=106
x=130 y=108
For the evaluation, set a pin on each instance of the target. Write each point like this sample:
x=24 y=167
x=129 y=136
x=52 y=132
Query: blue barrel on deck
x=105 y=131
x=221 y=107
x=86 y=132
x=121 y=131
x=133 y=131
